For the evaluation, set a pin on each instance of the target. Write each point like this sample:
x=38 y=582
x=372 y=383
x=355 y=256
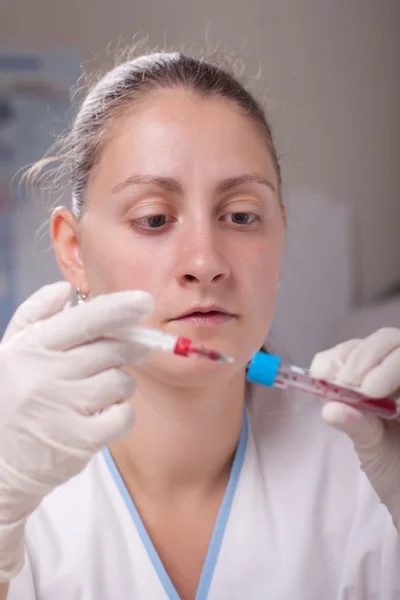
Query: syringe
x=267 y=369
x=174 y=344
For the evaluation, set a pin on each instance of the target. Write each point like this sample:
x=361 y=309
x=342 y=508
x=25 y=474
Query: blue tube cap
x=263 y=369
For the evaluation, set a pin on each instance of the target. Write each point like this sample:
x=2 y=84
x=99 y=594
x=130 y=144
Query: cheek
x=262 y=266
x=260 y=274
x=114 y=263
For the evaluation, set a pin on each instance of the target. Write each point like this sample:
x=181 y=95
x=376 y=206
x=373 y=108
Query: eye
x=242 y=218
x=150 y=222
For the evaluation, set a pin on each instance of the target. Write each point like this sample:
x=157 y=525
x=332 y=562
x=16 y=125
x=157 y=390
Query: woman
x=218 y=491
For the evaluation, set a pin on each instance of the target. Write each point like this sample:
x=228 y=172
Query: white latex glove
x=373 y=364
x=57 y=369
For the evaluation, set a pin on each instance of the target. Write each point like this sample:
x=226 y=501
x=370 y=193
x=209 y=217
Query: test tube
x=267 y=369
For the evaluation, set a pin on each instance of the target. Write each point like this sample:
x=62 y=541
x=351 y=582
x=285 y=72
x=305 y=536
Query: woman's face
x=184 y=204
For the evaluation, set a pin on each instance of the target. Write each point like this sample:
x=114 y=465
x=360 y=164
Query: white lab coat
x=299 y=521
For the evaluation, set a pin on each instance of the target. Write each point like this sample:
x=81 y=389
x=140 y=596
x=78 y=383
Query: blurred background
x=331 y=74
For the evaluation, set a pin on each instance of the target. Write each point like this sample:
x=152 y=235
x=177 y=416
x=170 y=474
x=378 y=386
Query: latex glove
x=57 y=369
x=373 y=364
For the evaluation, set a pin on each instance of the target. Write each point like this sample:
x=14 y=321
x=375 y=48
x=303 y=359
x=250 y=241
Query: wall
x=333 y=72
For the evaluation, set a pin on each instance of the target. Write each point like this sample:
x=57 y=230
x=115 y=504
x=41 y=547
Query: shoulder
x=292 y=419
x=80 y=542
x=313 y=474
x=68 y=515
x=293 y=444
x=59 y=535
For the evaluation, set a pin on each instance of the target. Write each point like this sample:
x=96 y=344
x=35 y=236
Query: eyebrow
x=170 y=184
x=227 y=184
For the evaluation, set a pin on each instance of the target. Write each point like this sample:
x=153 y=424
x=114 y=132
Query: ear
x=284 y=215
x=65 y=238
x=284 y=218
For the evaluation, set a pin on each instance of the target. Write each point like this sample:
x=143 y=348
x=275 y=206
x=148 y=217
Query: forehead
x=176 y=132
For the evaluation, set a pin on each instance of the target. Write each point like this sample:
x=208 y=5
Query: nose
x=201 y=258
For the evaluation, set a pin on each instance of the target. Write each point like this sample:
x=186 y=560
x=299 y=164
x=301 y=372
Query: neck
x=184 y=439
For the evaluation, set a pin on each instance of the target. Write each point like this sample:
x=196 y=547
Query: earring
x=81 y=297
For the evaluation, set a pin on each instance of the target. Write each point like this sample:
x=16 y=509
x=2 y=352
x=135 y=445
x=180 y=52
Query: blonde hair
x=70 y=163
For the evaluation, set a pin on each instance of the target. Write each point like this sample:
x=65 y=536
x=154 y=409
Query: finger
x=101 y=355
x=109 y=426
x=365 y=430
x=104 y=316
x=368 y=354
x=44 y=303
x=384 y=379
x=328 y=363
x=96 y=393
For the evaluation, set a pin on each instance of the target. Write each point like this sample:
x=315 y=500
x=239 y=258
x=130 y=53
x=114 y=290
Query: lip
x=208 y=319
x=211 y=308
x=206 y=316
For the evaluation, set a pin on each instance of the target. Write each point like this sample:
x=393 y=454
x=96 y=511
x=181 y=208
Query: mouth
x=213 y=315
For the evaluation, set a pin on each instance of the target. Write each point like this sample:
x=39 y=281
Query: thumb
x=365 y=430
x=44 y=303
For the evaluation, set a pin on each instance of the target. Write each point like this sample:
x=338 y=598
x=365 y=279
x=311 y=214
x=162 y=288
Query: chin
x=187 y=372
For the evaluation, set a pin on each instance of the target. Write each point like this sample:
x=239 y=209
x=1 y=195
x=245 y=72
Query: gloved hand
x=58 y=368
x=373 y=364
